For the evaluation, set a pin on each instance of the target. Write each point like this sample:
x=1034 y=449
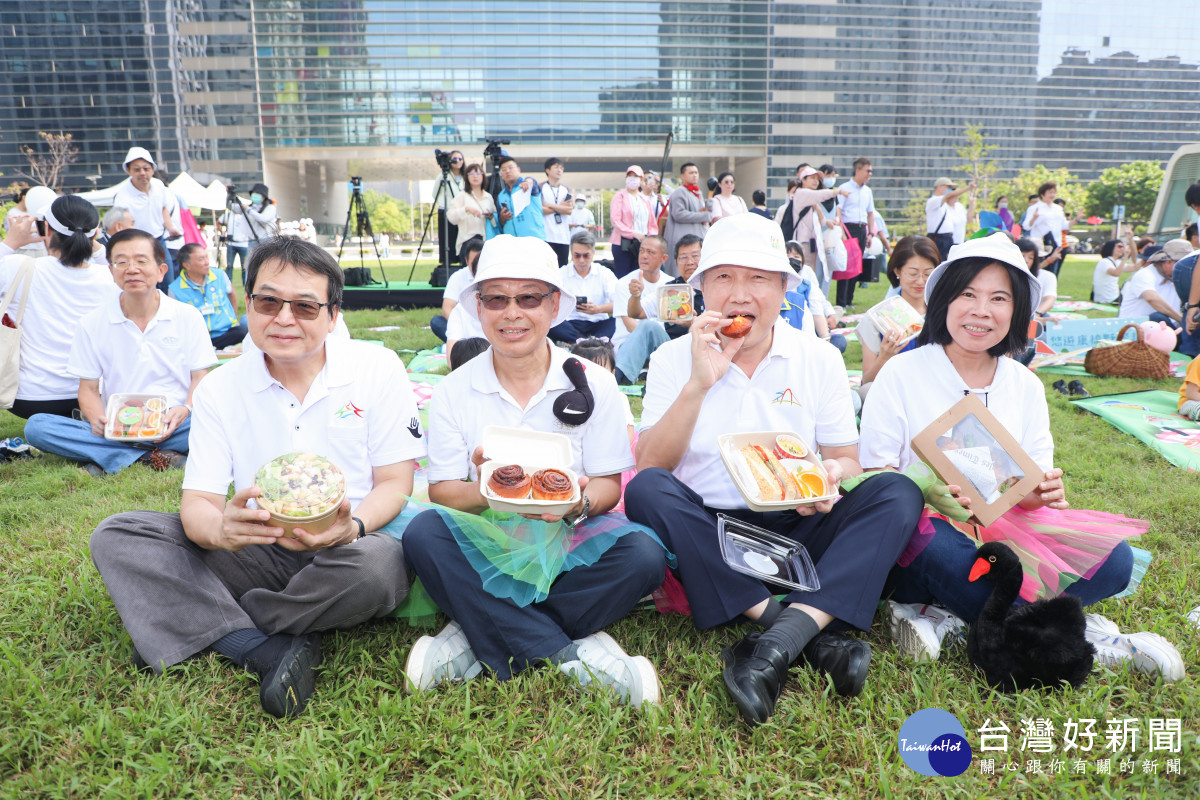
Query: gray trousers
x=176 y=598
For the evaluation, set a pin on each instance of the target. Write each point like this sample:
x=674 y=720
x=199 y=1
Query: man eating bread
x=771 y=378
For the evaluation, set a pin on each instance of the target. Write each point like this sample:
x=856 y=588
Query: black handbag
x=630 y=246
x=358 y=276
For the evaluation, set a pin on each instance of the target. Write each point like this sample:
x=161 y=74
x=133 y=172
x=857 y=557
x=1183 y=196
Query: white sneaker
x=1194 y=616
x=919 y=630
x=602 y=661
x=1144 y=651
x=437 y=659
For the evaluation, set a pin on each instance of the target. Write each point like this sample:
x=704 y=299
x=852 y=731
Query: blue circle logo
x=933 y=742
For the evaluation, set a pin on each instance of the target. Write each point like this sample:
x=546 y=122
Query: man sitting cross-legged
x=775 y=378
x=140 y=342
x=527 y=591
x=219 y=575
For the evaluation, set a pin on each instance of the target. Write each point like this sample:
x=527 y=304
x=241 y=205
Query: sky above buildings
x=1153 y=29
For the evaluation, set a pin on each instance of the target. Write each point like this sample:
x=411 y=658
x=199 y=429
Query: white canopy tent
x=193 y=193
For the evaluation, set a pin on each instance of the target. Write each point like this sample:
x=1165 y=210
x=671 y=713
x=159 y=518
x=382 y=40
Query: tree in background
x=1134 y=185
x=979 y=168
x=388 y=215
x=46 y=164
x=1025 y=183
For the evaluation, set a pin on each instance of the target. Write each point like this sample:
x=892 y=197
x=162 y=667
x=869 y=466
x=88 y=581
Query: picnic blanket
x=1071 y=363
x=1082 y=305
x=1151 y=417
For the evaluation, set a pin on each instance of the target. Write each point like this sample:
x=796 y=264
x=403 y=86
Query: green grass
x=76 y=722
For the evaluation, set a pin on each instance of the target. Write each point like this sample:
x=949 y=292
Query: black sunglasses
x=271 y=306
x=499 y=302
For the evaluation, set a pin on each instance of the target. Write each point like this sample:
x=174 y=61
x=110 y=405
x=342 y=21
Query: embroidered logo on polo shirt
x=170 y=341
x=349 y=410
x=786 y=397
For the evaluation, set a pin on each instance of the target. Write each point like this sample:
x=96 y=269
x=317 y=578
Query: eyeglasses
x=271 y=306
x=456 y=161
x=126 y=263
x=499 y=302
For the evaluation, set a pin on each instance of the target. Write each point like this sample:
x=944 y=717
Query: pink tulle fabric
x=1056 y=548
x=670 y=597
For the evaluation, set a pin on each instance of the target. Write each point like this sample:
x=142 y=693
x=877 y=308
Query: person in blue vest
x=519 y=204
x=210 y=291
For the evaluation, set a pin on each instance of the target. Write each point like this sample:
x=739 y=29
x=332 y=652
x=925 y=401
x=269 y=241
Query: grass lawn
x=77 y=722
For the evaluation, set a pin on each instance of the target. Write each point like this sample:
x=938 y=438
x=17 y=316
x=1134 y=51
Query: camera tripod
x=231 y=200
x=362 y=226
x=445 y=188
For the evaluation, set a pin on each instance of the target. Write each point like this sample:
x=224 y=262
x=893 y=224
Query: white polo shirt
x=359 y=413
x=801 y=387
x=1050 y=219
x=459 y=280
x=935 y=206
x=915 y=388
x=471 y=398
x=858 y=204
x=649 y=301
x=599 y=286
x=556 y=232
x=1105 y=288
x=462 y=325
x=109 y=347
x=146 y=207
x=1146 y=279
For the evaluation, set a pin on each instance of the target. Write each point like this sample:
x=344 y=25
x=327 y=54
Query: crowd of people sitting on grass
x=541 y=340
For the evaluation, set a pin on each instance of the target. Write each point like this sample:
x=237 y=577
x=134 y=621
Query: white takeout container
x=151 y=405
x=759 y=552
x=897 y=306
x=531 y=450
x=730 y=443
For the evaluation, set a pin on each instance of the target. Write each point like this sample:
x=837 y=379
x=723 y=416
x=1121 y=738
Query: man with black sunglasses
x=219 y=575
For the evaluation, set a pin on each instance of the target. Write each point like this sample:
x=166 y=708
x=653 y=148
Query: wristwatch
x=362 y=529
x=587 y=505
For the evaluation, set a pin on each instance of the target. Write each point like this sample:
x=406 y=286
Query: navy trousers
x=853 y=546
x=573 y=330
x=509 y=638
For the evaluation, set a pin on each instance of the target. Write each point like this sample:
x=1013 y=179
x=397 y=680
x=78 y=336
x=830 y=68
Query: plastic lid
x=300 y=485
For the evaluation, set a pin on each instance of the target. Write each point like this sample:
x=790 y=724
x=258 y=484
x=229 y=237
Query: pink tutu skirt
x=1056 y=547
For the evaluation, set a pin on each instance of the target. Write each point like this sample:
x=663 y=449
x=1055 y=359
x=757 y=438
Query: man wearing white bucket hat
x=591 y=567
x=150 y=202
x=773 y=378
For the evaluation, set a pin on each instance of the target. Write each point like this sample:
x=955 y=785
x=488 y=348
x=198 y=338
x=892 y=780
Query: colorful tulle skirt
x=1056 y=548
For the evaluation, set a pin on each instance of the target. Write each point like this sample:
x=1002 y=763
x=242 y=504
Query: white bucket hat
x=507 y=257
x=997 y=247
x=745 y=240
x=139 y=152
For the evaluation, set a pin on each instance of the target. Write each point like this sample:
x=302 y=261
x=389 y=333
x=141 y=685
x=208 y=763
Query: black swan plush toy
x=575 y=407
x=1026 y=646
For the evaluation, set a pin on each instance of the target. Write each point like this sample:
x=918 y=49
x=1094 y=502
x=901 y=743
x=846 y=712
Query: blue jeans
x=573 y=330
x=172 y=267
x=940 y=573
x=232 y=251
x=648 y=336
x=1189 y=343
x=73 y=439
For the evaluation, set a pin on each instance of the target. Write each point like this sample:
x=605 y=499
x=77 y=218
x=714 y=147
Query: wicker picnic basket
x=1128 y=359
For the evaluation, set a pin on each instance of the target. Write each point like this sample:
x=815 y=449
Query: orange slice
x=811 y=484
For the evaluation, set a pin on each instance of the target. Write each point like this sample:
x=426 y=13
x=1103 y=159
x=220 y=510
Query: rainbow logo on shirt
x=785 y=397
x=349 y=410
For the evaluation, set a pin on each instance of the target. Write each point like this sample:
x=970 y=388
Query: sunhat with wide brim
x=997 y=247
x=520 y=258
x=745 y=240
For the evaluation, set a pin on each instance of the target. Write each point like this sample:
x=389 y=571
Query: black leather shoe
x=1060 y=386
x=754 y=673
x=843 y=658
x=288 y=685
x=1077 y=390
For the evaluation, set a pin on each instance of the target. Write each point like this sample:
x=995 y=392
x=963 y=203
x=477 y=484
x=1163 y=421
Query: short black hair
x=1190 y=231
x=466 y=349
x=1192 y=196
x=160 y=254
x=470 y=246
x=828 y=169
x=186 y=251
x=759 y=197
x=598 y=351
x=861 y=161
x=550 y=162
x=1106 y=249
x=689 y=164
x=303 y=256
x=686 y=240
x=504 y=160
x=953 y=281
x=1045 y=187
x=905 y=249
x=1029 y=246
x=802 y=165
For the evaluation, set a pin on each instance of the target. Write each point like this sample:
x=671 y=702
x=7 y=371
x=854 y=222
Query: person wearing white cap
x=632 y=219
x=978 y=304
x=150 y=202
x=1151 y=291
x=64 y=286
x=527 y=591
x=774 y=378
x=25 y=231
x=581 y=218
x=945 y=217
x=802 y=218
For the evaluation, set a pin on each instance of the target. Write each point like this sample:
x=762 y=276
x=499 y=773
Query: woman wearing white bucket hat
x=978 y=305
x=774 y=378
x=525 y=591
